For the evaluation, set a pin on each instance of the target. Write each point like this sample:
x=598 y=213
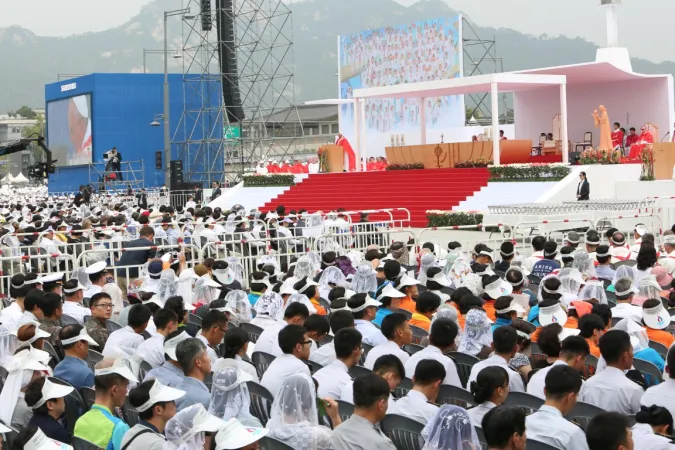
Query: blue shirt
x=533 y=316
x=167 y=374
x=544 y=267
x=75 y=371
x=195 y=392
x=253 y=298
x=652 y=356
x=381 y=314
x=605 y=272
x=500 y=322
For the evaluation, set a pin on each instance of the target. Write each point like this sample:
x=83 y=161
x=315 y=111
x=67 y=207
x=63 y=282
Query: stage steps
x=415 y=190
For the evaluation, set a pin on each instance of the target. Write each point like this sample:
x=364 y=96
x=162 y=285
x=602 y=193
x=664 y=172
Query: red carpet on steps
x=415 y=190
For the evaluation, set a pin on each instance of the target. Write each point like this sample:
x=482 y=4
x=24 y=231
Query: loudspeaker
x=158 y=160
x=176 y=174
x=228 y=61
x=207 y=19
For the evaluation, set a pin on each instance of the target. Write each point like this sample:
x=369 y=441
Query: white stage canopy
x=493 y=83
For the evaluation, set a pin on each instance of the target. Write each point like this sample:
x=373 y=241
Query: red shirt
x=617 y=138
x=632 y=139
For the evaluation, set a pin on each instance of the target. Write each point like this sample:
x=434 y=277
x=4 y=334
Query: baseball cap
x=160 y=393
x=52 y=390
x=120 y=368
x=83 y=336
x=233 y=435
x=657 y=317
x=552 y=314
x=171 y=344
x=155 y=267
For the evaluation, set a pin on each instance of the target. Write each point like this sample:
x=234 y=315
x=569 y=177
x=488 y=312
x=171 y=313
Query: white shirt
x=612 y=391
x=532 y=260
x=11 y=315
x=152 y=350
x=431 y=352
x=661 y=395
x=619 y=252
x=627 y=311
x=120 y=339
x=547 y=425
x=76 y=311
x=645 y=438
x=478 y=412
x=537 y=382
x=370 y=333
x=332 y=379
x=268 y=341
x=388 y=348
x=281 y=368
x=49 y=246
x=264 y=321
x=95 y=289
x=324 y=355
x=415 y=406
x=213 y=356
x=515 y=381
x=668 y=261
x=190 y=204
x=240 y=363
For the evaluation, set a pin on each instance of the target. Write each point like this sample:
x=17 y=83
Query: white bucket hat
x=552 y=314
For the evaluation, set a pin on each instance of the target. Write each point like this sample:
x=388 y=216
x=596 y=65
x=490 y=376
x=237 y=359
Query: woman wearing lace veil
x=331 y=277
x=647 y=288
x=294 y=419
x=300 y=298
x=451 y=428
x=168 y=285
x=206 y=290
x=269 y=310
x=241 y=307
x=187 y=429
x=427 y=261
x=477 y=337
x=230 y=397
x=571 y=280
x=593 y=292
x=621 y=272
x=235 y=268
x=364 y=281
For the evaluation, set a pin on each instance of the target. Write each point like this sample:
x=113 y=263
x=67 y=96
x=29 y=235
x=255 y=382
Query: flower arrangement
x=322 y=153
x=647 y=158
x=529 y=172
x=438 y=218
x=598 y=156
x=480 y=162
x=268 y=180
x=413 y=166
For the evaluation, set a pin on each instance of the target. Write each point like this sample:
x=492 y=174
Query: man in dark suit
x=216 y=191
x=135 y=257
x=584 y=188
x=79 y=197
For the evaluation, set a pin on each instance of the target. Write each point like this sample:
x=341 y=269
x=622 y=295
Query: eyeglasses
x=308 y=341
x=104 y=305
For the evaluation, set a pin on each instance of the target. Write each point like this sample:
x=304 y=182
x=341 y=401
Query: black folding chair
x=359 y=371
x=130 y=414
x=313 y=366
x=75 y=405
x=527 y=402
x=590 y=365
x=49 y=348
x=481 y=437
x=582 y=413
x=529 y=327
x=261 y=402
x=112 y=326
x=253 y=331
x=411 y=349
x=464 y=364
x=94 y=358
x=536 y=445
x=405 y=433
x=403 y=388
x=345 y=409
x=652 y=374
x=366 y=348
x=660 y=348
x=268 y=443
x=418 y=334
x=67 y=320
x=262 y=361
x=453 y=395
x=83 y=444
x=405 y=312
x=88 y=396
x=144 y=369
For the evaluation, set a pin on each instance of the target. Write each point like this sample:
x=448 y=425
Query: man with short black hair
x=396 y=329
x=504 y=428
x=538 y=243
x=73 y=368
x=131 y=336
x=548 y=424
x=604 y=268
x=419 y=402
x=573 y=352
x=592 y=243
x=317 y=327
x=505 y=345
x=325 y=354
x=591 y=328
x=52 y=308
x=388 y=367
x=156 y=405
x=609 y=431
x=268 y=342
x=192 y=357
x=549 y=263
x=360 y=432
x=333 y=377
x=101 y=306
x=610 y=389
x=295 y=345
x=131 y=259
x=152 y=349
x=364 y=309
x=425 y=307
x=507 y=252
x=214 y=327
x=441 y=342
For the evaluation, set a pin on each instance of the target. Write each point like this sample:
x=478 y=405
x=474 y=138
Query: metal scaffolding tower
x=480 y=57
x=211 y=146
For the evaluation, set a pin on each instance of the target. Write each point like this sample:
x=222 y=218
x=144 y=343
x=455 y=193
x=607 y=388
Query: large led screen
x=69 y=128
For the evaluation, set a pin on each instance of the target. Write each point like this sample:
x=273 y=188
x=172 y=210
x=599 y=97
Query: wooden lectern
x=664 y=160
x=336 y=158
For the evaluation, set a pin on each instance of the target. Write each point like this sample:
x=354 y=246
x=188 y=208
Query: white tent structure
x=7 y=179
x=20 y=179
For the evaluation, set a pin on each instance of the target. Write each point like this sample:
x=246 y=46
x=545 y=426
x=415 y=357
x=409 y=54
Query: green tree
x=26 y=112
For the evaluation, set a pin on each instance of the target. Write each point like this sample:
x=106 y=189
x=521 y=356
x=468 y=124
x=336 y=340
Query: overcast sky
x=643 y=25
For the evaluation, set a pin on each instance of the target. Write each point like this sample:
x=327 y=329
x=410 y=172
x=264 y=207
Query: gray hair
x=187 y=352
x=623 y=284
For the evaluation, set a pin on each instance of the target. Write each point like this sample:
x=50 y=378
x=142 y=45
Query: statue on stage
x=602 y=122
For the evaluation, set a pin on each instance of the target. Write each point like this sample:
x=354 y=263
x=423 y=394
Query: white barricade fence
x=361 y=241
x=626 y=223
x=438 y=237
x=41 y=264
x=663 y=207
x=547 y=227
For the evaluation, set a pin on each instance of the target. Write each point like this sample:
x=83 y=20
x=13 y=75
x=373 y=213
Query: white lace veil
x=303 y=268
x=427 y=261
x=230 y=398
x=594 y=291
x=294 y=413
x=472 y=282
x=477 y=333
x=300 y=298
x=179 y=430
x=80 y=275
x=451 y=428
x=649 y=288
x=639 y=337
x=203 y=293
x=271 y=304
x=332 y=275
x=168 y=285
x=584 y=264
x=364 y=280
x=235 y=268
x=315 y=260
x=459 y=270
x=624 y=271
x=238 y=301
